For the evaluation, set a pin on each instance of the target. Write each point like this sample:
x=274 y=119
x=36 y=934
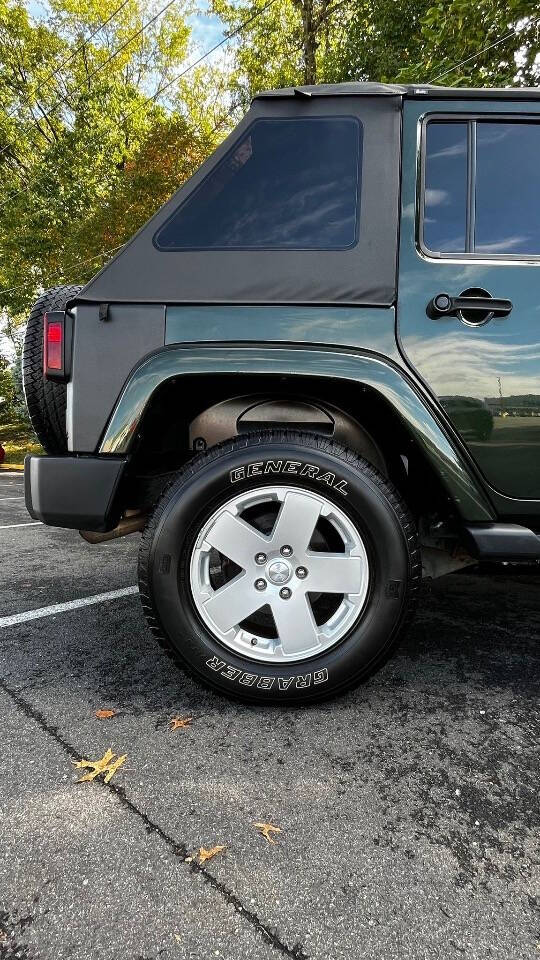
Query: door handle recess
x=443 y=305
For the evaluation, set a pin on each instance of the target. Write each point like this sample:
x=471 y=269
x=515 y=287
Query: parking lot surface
x=408 y=809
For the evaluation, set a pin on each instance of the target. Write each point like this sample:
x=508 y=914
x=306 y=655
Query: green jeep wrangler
x=310 y=378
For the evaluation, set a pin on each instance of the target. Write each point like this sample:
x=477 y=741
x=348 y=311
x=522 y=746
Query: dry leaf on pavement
x=107 y=765
x=105 y=714
x=180 y=723
x=266 y=829
x=208 y=854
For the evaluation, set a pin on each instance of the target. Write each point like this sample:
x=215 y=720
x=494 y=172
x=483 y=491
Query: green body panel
x=346 y=365
x=368 y=328
x=465 y=366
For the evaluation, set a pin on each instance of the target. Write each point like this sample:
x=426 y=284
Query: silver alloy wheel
x=279 y=570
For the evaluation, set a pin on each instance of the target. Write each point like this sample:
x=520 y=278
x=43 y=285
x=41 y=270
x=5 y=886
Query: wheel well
x=188 y=414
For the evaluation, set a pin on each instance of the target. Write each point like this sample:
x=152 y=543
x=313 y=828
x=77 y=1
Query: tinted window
x=502 y=206
x=288 y=184
x=445 y=194
x=507 y=188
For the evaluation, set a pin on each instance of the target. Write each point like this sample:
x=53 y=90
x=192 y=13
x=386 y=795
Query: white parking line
x=30 y=523
x=11 y=498
x=63 y=607
x=12 y=473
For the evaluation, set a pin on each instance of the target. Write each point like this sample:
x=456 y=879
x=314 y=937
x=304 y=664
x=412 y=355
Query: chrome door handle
x=478 y=308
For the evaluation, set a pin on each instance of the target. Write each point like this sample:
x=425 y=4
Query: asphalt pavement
x=408 y=809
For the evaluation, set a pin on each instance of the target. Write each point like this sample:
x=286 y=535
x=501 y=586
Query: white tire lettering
x=273 y=466
x=215 y=664
x=230 y=673
x=308 y=470
x=248 y=679
x=301 y=681
x=320 y=676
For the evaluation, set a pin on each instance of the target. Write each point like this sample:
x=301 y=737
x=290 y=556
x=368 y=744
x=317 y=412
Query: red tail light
x=53 y=344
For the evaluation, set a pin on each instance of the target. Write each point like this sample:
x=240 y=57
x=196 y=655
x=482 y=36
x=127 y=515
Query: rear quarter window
x=286 y=184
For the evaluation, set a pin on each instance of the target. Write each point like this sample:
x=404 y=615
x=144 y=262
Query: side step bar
x=502 y=541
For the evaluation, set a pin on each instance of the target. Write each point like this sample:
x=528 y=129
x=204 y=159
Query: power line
x=148 y=100
x=64 y=63
x=97 y=70
x=228 y=36
x=225 y=39
x=105 y=63
x=78 y=263
x=475 y=56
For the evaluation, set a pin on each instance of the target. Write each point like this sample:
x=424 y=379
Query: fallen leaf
x=105 y=714
x=107 y=765
x=266 y=829
x=208 y=854
x=179 y=723
x=178 y=938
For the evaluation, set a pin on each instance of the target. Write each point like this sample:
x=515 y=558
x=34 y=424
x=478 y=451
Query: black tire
x=361 y=493
x=45 y=399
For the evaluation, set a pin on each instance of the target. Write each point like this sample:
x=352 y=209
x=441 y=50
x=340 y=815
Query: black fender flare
x=411 y=402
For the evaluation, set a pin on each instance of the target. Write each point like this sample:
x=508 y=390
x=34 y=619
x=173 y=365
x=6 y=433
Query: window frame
x=278 y=249
x=471 y=120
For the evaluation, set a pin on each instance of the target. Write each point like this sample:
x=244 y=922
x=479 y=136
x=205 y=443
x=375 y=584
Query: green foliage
x=376 y=41
x=9 y=401
x=85 y=154
x=453 y=31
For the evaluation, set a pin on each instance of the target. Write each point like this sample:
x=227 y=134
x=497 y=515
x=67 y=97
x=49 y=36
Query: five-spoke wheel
x=285 y=555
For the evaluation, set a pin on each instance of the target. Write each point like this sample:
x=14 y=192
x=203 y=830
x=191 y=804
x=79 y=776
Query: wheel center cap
x=279 y=571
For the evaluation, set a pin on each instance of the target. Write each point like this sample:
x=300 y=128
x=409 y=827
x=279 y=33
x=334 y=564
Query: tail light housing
x=56 y=345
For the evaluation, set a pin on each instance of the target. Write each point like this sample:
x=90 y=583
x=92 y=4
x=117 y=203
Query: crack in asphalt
x=180 y=850
x=10 y=947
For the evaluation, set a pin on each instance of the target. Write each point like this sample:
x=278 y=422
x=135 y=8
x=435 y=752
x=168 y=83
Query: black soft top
x=356 y=88
x=363 y=274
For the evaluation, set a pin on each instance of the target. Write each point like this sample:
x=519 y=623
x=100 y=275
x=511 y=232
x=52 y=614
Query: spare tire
x=45 y=399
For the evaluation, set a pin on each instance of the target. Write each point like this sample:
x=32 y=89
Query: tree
x=376 y=40
x=92 y=139
x=496 y=41
x=285 y=44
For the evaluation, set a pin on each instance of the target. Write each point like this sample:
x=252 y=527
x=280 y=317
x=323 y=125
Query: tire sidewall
x=193 y=499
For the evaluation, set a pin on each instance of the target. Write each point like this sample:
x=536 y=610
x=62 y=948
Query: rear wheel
x=45 y=399
x=279 y=567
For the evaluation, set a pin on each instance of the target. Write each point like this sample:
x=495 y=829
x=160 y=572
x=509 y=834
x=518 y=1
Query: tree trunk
x=309 y=40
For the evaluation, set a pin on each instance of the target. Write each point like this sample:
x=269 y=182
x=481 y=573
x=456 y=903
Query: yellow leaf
x=208 y=854
x=180 y=723
x=107 y=765
x=266 y=829
x=105 y=714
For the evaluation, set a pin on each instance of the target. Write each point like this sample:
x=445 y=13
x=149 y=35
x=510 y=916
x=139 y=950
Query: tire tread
x=45 y=399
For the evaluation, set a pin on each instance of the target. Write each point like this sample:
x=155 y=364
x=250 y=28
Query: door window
x=482 y=188
x=286 y=185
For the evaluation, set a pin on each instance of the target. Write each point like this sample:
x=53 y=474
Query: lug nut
x=285 y=593
x=260 y=584
x=260 y=558
x=286 y=550
x=253 y=642
x=301 y=573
